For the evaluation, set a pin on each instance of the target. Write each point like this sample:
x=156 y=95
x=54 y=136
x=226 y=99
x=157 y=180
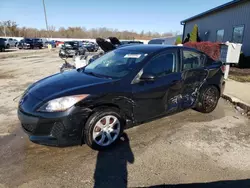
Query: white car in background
x=10 y=43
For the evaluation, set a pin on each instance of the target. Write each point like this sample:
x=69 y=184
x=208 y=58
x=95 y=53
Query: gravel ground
x=184 y=150
x=19 y=69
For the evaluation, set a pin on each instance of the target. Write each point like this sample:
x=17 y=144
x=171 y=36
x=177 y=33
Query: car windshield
x=156 y=41
x=115 y=64
x=37 y=40
x=87 y=44
x=27 y=40
x=68 y=44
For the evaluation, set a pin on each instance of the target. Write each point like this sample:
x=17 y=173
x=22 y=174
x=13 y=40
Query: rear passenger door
x=193 y=76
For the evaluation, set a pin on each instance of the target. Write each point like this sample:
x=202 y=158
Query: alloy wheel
x=106 y=130
x=210 y=98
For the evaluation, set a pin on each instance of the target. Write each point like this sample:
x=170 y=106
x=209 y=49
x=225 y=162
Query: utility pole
x=4 y=29
x=45 y=15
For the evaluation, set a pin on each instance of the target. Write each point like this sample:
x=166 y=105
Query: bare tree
x=10 y=28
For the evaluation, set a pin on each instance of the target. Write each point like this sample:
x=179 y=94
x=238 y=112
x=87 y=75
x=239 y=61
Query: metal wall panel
x=225 y=19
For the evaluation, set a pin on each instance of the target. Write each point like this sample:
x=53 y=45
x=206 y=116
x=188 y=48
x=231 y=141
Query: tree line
x=11 y=29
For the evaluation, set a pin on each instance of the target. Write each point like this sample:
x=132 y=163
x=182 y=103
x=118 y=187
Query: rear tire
x=208 y=99
x=103 y=129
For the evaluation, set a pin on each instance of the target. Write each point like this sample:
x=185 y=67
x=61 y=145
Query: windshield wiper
x=98 y=75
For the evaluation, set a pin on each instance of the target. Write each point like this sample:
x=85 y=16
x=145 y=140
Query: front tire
x=208 y=99
x=103 y=129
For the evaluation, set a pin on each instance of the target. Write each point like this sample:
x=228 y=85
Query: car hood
x=68 y=83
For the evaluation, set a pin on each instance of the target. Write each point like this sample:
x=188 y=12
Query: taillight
x=223 y=68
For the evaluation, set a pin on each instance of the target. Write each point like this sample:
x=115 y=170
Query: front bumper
x=63 y=129
x=63 y=53
x=24 y=46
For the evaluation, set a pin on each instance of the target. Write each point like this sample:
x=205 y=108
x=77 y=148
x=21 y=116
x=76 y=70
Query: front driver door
x=155 y=98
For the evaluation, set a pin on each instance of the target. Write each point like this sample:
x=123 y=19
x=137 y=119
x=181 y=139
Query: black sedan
x=124 y=87
x=27 y=43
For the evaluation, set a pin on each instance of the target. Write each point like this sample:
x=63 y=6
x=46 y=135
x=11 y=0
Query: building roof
x=219 y=8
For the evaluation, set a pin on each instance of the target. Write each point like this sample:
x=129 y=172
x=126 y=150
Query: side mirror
x=147 y=77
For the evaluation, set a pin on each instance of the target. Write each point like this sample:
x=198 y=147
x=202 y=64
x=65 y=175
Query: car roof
x=148 y=48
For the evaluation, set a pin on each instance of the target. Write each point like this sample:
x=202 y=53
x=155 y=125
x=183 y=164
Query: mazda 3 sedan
x=125 y=87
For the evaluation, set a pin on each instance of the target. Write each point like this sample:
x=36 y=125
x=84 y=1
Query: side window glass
x=192 y=60
x=161 y=65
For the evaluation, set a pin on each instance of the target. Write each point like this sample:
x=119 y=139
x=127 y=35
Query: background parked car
x=59 y=43
x=24 y=43
x=131 y=42
x=71 y=48
x=2 y=44
x=90 y=46
x=28 y=43
x=52 y=43
x=37 y=43
x=164 y=41
x=10 y=42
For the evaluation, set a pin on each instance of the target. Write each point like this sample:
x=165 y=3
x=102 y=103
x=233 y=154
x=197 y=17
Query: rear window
x=156 y=41
x=192 y=60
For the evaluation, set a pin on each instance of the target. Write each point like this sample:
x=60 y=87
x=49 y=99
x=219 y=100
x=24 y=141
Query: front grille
x=57 y=130
x=29 y=127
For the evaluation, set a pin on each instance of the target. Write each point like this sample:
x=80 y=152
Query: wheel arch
x=216 y=87
x=97 y=108
x=210 y=84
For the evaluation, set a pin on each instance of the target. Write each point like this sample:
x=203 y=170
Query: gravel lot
x=20 y=68
x=186 y=150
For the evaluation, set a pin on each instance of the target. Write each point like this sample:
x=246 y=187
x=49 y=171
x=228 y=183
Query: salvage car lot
x=184 y=148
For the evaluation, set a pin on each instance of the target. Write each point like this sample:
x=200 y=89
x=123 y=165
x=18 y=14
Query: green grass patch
x=240 y=78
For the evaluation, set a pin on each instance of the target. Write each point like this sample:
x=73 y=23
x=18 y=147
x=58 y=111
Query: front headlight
x=61 y=104
x=62 y=52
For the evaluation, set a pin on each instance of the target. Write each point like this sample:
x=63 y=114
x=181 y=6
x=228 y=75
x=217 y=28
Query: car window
x=156 y=41
x=161 y=65
x=27 y=40
x=192 y=60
